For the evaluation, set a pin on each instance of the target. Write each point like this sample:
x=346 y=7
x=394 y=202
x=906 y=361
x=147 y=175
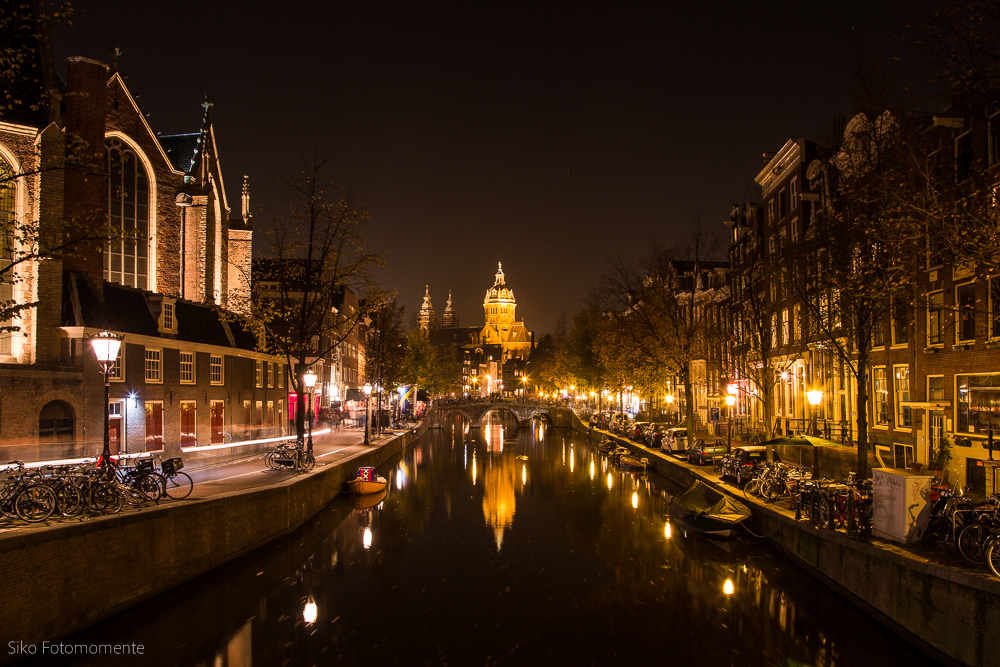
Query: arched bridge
x=476 y=412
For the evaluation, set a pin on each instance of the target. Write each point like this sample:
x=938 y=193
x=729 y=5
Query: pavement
x=239 y=475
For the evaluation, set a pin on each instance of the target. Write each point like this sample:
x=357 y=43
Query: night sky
x=544 y=135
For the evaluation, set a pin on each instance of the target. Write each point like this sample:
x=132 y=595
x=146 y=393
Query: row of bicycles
x=290 y=455
x=37 y=494
x=826 y=504
x=970 y=527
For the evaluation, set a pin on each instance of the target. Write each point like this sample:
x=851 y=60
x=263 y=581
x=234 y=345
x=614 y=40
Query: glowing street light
x=368 y=393
x=309 y=380
x=106 y=346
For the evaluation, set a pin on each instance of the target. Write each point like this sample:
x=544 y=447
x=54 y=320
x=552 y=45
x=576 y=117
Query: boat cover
x=703 y=500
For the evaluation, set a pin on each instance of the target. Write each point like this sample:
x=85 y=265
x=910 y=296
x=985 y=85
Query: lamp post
x=524 y=386
x=309 y=379
x=670 y=402
x=815 y=396
x=106 y=346
x=368 y=395
x=730 y=402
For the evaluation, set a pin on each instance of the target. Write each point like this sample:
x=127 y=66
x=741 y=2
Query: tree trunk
x=300 y=403
x=767 y=408
x=862 y=408
x=689 y=408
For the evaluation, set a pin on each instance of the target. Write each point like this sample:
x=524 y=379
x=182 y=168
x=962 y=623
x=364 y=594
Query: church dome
x=499 y=291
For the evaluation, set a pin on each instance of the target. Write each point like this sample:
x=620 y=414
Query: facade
x=189 y=377
x=493 y=356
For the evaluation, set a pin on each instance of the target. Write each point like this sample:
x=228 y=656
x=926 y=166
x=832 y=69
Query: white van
x=674 y=441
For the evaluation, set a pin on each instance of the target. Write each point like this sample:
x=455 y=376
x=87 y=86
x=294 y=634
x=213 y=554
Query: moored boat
x=367 y=482
x=704 y=510
x=630 y=462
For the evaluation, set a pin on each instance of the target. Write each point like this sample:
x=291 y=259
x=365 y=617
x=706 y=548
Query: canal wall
x=66 y=577
x=950 y=613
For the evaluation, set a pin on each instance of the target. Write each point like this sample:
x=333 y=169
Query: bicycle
x=949 y=514
x=178 y=485
x=24 y=499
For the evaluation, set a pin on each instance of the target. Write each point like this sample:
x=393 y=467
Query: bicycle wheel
x=308 y=461
x=105 y=498
x=937 y=534
x=150 y=486
x=751 y=488
x=863 y=516
x=131 y=496
x=991 y=554
x=69 y=500
x=820 y=513
x=35 y=503
x=970 y=542
x=179 y=486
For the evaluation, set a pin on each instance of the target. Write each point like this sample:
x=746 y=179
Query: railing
x=824 y=428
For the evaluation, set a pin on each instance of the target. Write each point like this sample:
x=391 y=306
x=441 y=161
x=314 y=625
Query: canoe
x=629 y=462
x=361 y=486
x=702 y=509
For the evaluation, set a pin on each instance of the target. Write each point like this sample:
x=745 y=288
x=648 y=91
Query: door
x=975 y=476
x=189 y=427
x=115 y=427
x=935 y=431
x=218 y=411
x=154 y=427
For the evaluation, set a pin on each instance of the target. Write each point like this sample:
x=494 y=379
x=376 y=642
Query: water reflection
x=444 y=570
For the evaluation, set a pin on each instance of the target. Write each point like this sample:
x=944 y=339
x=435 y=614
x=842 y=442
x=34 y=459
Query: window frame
x=212 y=366
x=935 y=311
x=159 y=365
x=118 y=370
x=146 y=416
x=258 y=373
x=903 y=420
x=959 y=309
x=880 y=413
x=181 y=363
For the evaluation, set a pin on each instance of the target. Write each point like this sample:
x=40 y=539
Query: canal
x=502 y=547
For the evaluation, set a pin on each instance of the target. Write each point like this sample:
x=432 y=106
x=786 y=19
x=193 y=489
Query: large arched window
x=55 y=422
x=8 y=219
x=126 y=260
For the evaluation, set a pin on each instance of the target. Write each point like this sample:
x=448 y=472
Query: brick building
x=188 y=376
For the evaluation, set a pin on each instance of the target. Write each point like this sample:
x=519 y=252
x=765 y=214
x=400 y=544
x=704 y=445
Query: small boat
x=367 y=482
x=630 y=462
x=619 y=452
x=521 y=457
x=702 y=509
x=606 y=447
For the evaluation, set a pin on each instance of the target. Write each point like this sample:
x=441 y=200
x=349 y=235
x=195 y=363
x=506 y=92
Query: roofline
x=156 y=139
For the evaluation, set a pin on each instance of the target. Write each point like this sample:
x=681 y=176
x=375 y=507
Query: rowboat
x=368 y=501
x=702 y=509
x=630 y=462
x=367 y=482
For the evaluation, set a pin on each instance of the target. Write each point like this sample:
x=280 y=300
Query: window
x=217 y=410
x=935 y=387
x=189 y=424
x=215 y=369
x=786 y=327
x=965 y=303
x=770 y=211
x=8 y=216
x=187 y=367
x=880 y=397
x=270 y=413
x=281 y=411
x=774 y=330
x=259 y=374
x=153 y=373
x=247 y=415
x=903 y=455
x=259 y=417
x=795 y=230
x=963 y=157
x=281 y=375
x=977 y=403
x=154 y=426
x=934 y=254
x=793 y=193
x=118 y=370
x=935 y=324
x=878 y=332
x=900 y=322
x=797 y=322
x=995 y=307
x=168 y=316
x=125 y=258
x=782 y=204
x=270 y=374
x=901 y=394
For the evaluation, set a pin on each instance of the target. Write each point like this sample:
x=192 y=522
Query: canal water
x=503 y=547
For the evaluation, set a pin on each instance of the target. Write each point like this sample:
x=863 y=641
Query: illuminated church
x=493 y=355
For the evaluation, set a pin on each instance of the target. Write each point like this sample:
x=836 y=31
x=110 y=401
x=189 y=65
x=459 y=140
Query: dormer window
x=168 y=316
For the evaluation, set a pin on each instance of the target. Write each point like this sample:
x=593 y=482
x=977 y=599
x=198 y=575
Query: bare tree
x=314 y=251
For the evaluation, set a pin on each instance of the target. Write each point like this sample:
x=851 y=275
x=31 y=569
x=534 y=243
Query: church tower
x=499 y=303
x=449 y=319
x=426 y=315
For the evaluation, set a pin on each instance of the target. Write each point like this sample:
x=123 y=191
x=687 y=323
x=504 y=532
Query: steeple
x=450 y=318
x=247 y=215
x=426 y=315
x=499 y=303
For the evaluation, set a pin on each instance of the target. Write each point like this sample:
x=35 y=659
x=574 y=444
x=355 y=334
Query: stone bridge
x=523 y=412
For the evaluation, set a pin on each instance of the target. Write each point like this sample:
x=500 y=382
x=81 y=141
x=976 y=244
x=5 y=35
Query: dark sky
x=545 y=135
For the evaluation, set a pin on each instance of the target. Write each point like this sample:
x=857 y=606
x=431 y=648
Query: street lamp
x=814 y=396
x=309 y=379
x=368 y=393
x=106 y=346
x=524 y=385
x=730 y=402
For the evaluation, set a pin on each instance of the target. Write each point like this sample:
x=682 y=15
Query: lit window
x=935 y=323
x=880 y=397
x=153 y=373
x=126 y=257
x=901 y=394
x=281 y=375
x=187 y=368
x=270 y=374
x=965 y=302
x=259 y=374
x=118 y=370
x=168 y=316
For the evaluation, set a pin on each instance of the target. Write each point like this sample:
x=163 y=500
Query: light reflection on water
x=478 y=557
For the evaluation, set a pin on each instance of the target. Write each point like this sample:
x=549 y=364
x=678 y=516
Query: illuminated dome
x=499 y=303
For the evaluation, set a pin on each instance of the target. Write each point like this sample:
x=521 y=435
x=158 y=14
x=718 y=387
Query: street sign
x=713 y=414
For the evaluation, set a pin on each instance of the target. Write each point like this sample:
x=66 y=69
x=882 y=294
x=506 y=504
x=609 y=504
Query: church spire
x=425 y=318
x=247 y=215
x=450 y=318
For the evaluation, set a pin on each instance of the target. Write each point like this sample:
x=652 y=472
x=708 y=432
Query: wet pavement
x=495 y=548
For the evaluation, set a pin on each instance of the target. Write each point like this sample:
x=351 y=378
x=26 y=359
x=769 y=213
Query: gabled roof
x=182 y=150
